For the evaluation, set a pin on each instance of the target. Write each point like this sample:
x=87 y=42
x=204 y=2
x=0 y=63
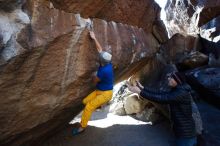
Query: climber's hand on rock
x=92 y=35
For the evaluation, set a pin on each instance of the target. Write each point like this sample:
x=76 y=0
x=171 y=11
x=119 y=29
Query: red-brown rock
x=42 y=87
x=160 y=32
x=141 y=13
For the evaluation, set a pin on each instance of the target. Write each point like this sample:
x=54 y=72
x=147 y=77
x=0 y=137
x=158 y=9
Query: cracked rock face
x=47 y=63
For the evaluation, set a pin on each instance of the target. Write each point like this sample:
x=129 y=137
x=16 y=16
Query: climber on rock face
x=180 y=102
x=104 y=85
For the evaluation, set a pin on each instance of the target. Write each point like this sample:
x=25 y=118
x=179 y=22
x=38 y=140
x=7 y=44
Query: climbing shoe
x=76 y=131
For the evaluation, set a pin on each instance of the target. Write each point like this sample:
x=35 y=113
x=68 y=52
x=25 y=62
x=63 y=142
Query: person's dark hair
x=178 y=77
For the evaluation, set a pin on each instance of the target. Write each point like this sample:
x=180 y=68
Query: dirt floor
x=106 y=129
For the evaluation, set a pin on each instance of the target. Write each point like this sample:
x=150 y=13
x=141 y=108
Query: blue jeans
x=186 y=141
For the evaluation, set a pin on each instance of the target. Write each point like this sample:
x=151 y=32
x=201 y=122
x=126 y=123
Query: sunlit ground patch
x=109 y=119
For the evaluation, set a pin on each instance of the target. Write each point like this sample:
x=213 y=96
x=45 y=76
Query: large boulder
x=206 y=81
x=178 y=47
x=160 y=32
x=141 y=13
x=133 y=104
x=50 y=63
x=193 y=60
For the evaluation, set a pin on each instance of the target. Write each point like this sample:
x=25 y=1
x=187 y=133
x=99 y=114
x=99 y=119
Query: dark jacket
x=179 y=100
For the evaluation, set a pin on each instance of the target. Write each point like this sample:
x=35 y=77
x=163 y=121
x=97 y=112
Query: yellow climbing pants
x=93 y=101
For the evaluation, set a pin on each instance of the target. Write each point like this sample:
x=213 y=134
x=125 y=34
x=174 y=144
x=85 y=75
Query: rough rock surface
x=47 y=57
x=42 y=86
x=141 y=13
x=159 y=31
x=133 y=104
x=11 y=24
x=211 y=10
x=150 y=114
x=206 y=81
x=193 y=60
x=187 y=16
x=10 y=5
x=178 y=47
x=117 y=108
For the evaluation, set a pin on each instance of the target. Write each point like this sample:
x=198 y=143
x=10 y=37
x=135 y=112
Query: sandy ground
x=106 y=129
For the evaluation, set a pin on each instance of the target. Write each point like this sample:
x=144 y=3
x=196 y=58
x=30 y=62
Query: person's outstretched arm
x=169 y=97
x=166 y=97
x=98 y=46
x=153 y=90
x=148 y=89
